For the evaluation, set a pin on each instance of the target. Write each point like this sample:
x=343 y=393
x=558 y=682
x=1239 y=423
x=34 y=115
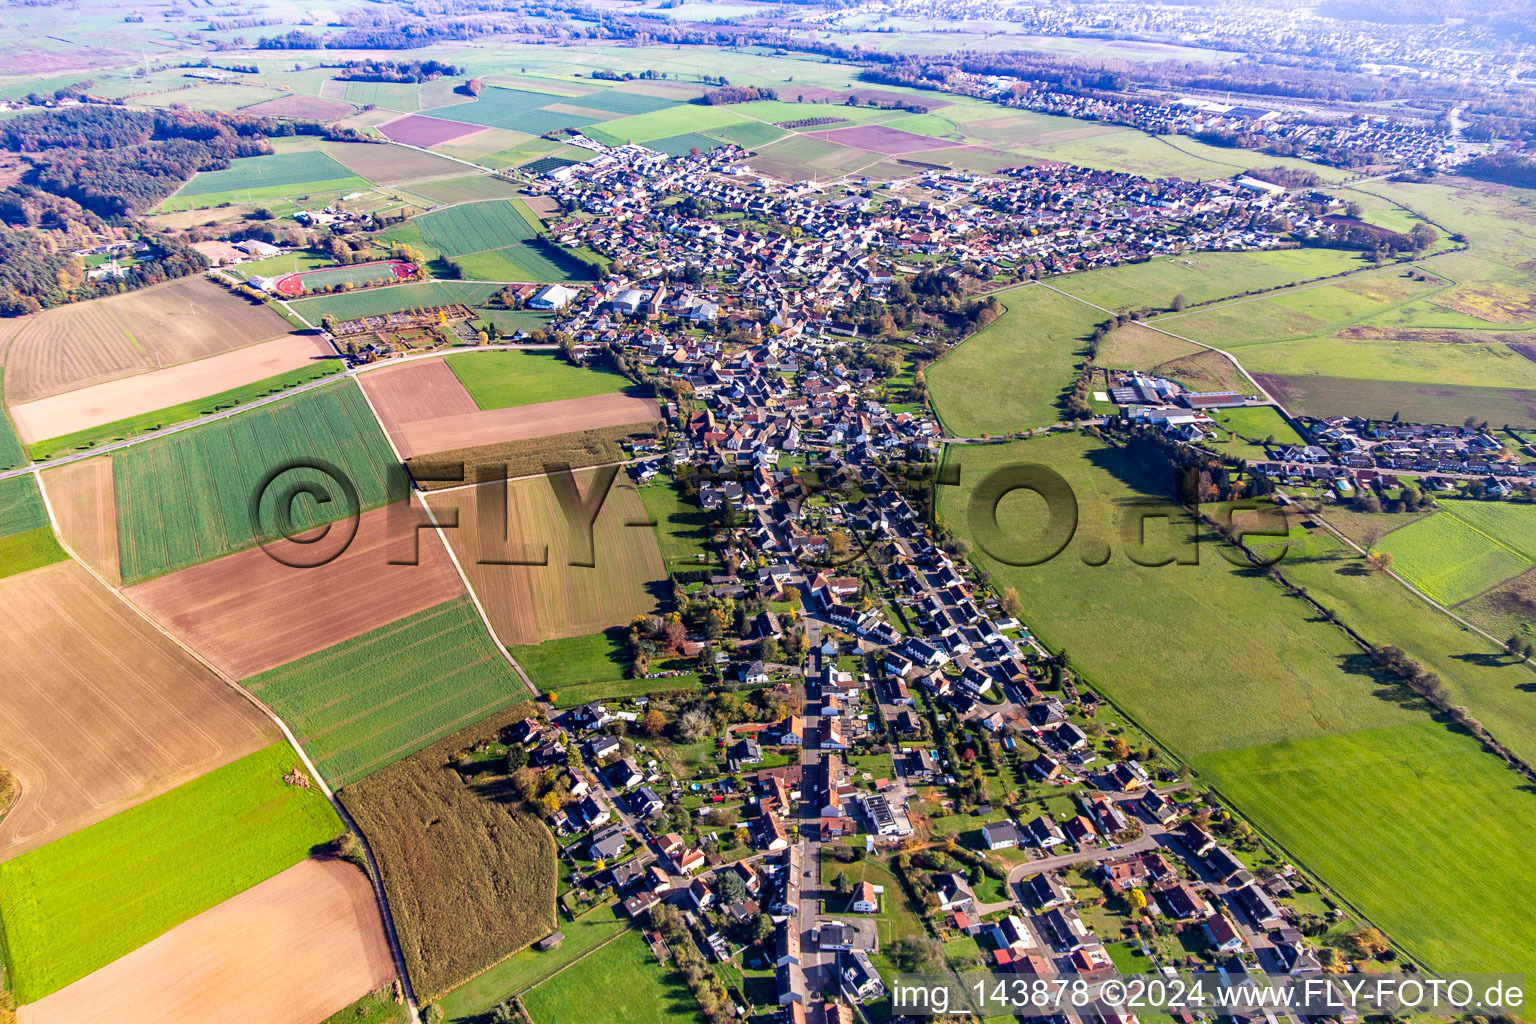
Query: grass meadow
x=1465 y=548
x=82 y=901
x=377 y=698
x=185 y=498
x=521 y=971
x=621 y=981
x=475 y=227
x=1009 y=375
x=502 y=380
x=1401 y=822
x=266 y=177
x=1204 y=276
x=682 y=528
x=1286 y=716
x=12 y=454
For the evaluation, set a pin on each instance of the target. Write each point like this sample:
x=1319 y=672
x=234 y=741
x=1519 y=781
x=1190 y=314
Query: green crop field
x=515 y=109
x=1009 y=375
x=467 y=189
x=372 y=700
x=620 y=102
x=295 y=172
x=520 y=971
x=621 y=981
x=117 y=430
x=82 y=901
x=661 y=124
x=11 y=453
x=1465 y=548
x=185 y=498
x=502 y=380
x=379 y=301
x=390 y=95
x=682 y=528
x=683 y=145
x=26 y=538
x=1422 y=812
x=750 y=134
x=475 y=227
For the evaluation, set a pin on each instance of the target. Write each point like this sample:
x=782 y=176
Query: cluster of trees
x=1287 y=177
x=652 y=636
x=396 y=70
x=737 y=94
x=714 y=1001
x=1505 y=168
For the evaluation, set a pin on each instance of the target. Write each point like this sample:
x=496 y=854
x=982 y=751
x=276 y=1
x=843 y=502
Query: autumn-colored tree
x=655 y=723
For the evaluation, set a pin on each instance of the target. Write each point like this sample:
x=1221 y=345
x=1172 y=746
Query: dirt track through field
x=84 y=500
x=145 y=392
x=293 y=950
x=99 y=711
x=466 y=430
x=247 y=612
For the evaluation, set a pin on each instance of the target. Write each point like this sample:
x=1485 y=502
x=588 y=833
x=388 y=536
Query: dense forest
x=1506 y=168
x=91 y=168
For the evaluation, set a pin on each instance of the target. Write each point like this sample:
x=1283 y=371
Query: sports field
x=475 y=227
x=353 y=274
x=1465 y=548
x=379 y=301
x=504 y=380
x=185 y=498
x=621 y=981
x=83 y=901
x=1012 y=374
x=373 y=700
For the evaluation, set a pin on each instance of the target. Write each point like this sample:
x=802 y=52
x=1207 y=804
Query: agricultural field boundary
x=458 y=567
x=293 y=742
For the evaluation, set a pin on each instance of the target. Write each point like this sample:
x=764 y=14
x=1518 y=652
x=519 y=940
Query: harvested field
x=422 y=390
x=469 y=873
x=90 y=342
x=530 y=603
x=101 y=711
x=247 y=613
x=877 y=138
x=145 y=392
x=526 y=458
x=291 y=950
x=380 y=697
x=390 y=165
x=303 y=107
x=423 y=131
x=494 y=426
x=1417 y=403
x=84 y=502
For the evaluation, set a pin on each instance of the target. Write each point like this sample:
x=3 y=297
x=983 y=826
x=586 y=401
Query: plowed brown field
x=90 y=342
x=530 y=603
x=467 y=430
x=99 y=710
x=293 y=950
x=84 y=500
x=247 y=612
x=146 y=392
